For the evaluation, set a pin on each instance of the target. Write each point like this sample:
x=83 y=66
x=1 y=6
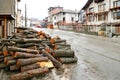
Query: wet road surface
x=98 y=57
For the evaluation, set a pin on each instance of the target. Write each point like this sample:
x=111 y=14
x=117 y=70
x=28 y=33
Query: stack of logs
x=32 y=53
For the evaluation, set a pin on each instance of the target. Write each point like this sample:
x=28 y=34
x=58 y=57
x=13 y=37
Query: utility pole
x=25 y=16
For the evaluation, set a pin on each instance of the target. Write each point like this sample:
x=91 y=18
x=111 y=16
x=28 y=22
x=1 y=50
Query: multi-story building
x=63 y=16
x=103 y=14
x=8 y=13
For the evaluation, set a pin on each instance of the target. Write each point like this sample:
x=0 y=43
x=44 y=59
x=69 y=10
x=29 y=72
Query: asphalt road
x=98 y=57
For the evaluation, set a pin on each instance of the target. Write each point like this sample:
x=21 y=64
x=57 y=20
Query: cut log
x=26 y=45
x=14 y=68
x=29 y=74
x=68 y=60
x=30 y=67
x=1 y=56
x=26 y=55
x=11 y=62
x=23 y=62
x=56 y=63
x=8 y=58
x=48 y=64
x=5 y=53
x=63 y=53
x=2 y=65
x=16 y=49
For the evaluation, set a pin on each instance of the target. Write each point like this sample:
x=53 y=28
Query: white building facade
x=103 y=14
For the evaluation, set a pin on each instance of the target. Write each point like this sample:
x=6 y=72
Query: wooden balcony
x=104 y=12
x=115 y=8
x=89 y=13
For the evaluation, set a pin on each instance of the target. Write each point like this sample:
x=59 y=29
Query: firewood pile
x=31 y=53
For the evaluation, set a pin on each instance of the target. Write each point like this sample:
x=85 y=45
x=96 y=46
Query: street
x=98 y=57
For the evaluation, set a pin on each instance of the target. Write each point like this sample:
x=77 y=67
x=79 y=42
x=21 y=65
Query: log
x=6 y=53
x=63 y=53
x=26 y=55
x=56 y=63
x=29 y=74
x=2 y=65
x=11 y=62
x=8 y=58
x=26 y=45
x=68 y=60
x=1 y=60
x=14 y=68
x=23 y=62
x=30 y=67
x=16 y=49
x=1 y=56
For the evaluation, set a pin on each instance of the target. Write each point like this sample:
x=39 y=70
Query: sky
x=39 y=8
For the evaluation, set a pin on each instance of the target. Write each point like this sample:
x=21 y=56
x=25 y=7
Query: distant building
x=58 y=15
x=8 y=13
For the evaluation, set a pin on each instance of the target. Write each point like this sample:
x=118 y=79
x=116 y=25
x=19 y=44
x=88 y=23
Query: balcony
x=115 y=8
x=105 y=12
x=89 y=13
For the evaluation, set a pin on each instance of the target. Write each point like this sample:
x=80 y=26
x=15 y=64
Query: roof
x=87 y=4
x=70 y=11
x=8 y=16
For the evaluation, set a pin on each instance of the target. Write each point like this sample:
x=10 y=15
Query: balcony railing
x=115 y=8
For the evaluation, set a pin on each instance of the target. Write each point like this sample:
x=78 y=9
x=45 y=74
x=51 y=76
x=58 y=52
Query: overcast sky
x=39 y=8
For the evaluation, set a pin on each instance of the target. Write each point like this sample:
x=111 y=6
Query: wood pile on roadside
x=33 y=53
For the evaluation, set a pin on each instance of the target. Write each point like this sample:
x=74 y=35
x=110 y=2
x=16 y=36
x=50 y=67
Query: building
x=8 y=13
x=63 y=17
x=103 y=15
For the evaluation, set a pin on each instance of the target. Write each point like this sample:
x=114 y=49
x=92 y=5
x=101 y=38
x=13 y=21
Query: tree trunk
x=23 y=62
x=56 y=63
x=26 y=55
x=29 y=74
x=22 y=50
x=63 y=53
x=30 y=67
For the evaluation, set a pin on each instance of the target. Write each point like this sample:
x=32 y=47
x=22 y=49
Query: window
x=116 y=15
x=102 y=17
x=72 y=19
x=0 y=22
x=91 y=18
x=63 y=13
x=116 y=3
x=55 y=18
x=63 y=19
x=91 y=9
x=102 y=7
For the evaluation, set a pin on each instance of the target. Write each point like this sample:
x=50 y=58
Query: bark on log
x=29 y=74
x=26 y=45
x=26 y=55
x=16 y=49
x=2 y=65
x=56 y=63
x=8 y=58
x=14 y=68
x=11 y=62
x=68 y=60
x=30 y=67
x=63 y=53
x=23 y=62
x=1 y=56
